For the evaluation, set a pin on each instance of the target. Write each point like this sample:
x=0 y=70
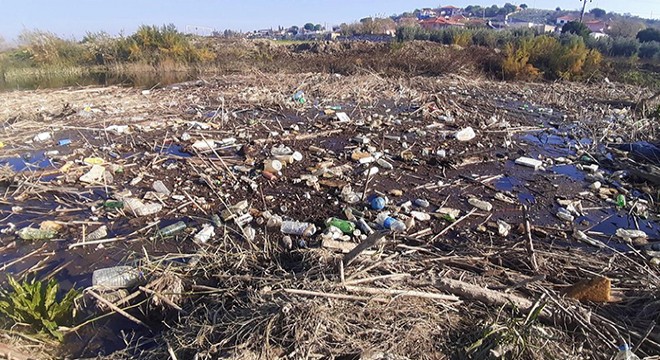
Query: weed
x=35 y=303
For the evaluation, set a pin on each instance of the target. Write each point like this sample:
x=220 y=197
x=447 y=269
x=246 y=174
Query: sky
x=72 y=19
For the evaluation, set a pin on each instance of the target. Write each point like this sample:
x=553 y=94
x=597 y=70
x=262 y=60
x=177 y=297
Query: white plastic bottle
x=625 y=353
x=388 y=222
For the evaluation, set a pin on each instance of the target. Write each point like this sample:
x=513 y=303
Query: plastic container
x=170 y=230
x=298 y=228
x=345 y=226
x=118 y=277
x=625 y=353
x=64 y=142
x=384 y=220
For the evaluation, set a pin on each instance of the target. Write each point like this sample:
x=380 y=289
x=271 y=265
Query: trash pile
x=268 y=217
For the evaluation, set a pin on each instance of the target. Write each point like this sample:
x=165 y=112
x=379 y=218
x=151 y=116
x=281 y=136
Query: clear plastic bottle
x=625 y=353
x=362 y=224
x=30 y=233
x=172 y=229
x=298 y=228
x=391 y=223
x=118 y=277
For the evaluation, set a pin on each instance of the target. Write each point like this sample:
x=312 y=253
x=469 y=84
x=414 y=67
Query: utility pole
x=584 y=6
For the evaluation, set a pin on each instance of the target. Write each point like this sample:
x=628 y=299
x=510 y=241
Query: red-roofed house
x=439 y=23
x=450 y=11
x=597 y=26
x=565 y=19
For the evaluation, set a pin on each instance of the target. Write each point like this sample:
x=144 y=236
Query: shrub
x=649 y=50
x=515 y=65
x=547 y=56
x=625 y=47
x=648 y=35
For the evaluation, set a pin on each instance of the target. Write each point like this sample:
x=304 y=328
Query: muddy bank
x=247 y=290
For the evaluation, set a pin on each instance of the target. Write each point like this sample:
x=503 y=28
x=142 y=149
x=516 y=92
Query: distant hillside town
x=598 y=21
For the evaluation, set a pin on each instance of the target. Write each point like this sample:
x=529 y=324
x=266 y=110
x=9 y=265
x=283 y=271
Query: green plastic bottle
x=621 y=201
x=345 y=226
x=171 y=230
x=111 y=204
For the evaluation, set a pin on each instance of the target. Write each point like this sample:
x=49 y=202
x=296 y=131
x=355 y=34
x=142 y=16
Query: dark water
x=145 y=79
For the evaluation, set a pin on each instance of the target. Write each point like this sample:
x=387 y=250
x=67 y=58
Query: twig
x=530 y=244
x=444 y=231
x=333 y=296
x=116 y=309
x=162 y=297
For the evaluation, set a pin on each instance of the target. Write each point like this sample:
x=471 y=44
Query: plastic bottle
x=625 y=353
x=391 y=223
x=621 y=201
x=378 y=203
x=565 y=215
x=139 y=208
x=172 y=229
x=345 y=226
x=118 y=277
x=29 y=233
x=362 y=224
x=480 y=204
x=298 y=228
x=112 y=204
x=384 y=164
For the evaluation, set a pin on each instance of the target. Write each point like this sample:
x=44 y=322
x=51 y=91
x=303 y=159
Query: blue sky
x=74 y=18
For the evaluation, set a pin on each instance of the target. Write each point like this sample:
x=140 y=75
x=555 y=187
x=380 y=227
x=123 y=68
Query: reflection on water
x=143 y=79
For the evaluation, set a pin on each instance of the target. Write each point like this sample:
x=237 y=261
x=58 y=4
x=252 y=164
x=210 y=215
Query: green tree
x=598 y=13
x=576 y=27
x=524 y=6
x=318 y=27
x=309 y=27
x=648 y=35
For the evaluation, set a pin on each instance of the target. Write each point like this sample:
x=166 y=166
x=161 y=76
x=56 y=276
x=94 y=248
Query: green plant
x=649 y=50
x=577 y=28
x=515 y=338
x=35 y=303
